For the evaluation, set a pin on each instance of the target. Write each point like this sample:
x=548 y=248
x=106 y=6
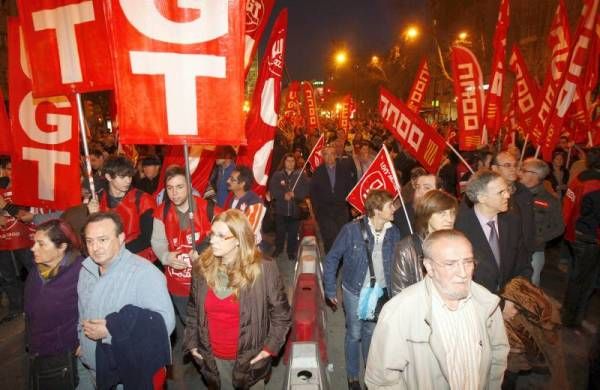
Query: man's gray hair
x=446 y=234
x=539 y=166
x=478 y=183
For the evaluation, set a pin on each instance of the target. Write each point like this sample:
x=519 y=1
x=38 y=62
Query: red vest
x=179 y=281
x=130 y=208
x=14 y=234
x=572 y=204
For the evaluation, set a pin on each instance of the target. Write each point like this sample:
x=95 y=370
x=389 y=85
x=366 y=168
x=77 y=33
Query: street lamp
x=375 y=61
x=463 y=35
x=341 y=57
x=411 y=33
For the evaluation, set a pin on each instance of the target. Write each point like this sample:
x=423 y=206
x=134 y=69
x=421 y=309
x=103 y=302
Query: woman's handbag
x=56 y=372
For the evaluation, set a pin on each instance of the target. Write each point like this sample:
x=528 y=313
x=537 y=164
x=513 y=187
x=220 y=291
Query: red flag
x=179 y=71
x=416 y=97
x=201 y=160
x=315 y=158
x=379 y=176
x=525 y=88
x=558 y=42
x=261 y=122
x=5 y=139
x=310 y=104
x=572 y=77
x=468 y=85
x=257 y=16
x=66 y=43
x=292 y=103
x=45 y=137
x=492 y=114
x=345 y=114
x=416 y=136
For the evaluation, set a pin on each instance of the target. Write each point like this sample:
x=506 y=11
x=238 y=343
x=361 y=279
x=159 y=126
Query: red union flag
x=345 y=114
x=66 y=43
x=572 y=77
x=468 y=84
x=379 y=176
x=415 y=135
x=201 y=160
x=492 y=114
x=310 y=104
x=558 y=42
x=5 y=139
x=45 y=138
x=261 y=122
x=315 y=158
x=416 y=97
x=257 y=16
x=179 y=70
x=526 y=90
x=291 y=113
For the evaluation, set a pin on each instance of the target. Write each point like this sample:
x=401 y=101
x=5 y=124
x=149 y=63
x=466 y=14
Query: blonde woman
x=238 y=315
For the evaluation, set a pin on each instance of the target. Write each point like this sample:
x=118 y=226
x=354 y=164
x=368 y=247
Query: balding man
x=445 y=332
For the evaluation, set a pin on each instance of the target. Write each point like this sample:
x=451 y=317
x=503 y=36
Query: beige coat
x=407 y=353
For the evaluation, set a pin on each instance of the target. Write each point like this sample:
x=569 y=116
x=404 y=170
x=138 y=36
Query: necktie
x=494 y=242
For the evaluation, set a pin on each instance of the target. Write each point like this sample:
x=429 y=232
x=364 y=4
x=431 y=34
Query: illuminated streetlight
x=462 y=36
x=375 y=60
x=341 y=57
x=411 y=33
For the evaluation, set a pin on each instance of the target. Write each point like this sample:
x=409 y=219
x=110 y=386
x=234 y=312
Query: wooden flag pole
x=460 y=157
x=537 y=151
x=524 y=147
x=86 y=151
x=398 y=189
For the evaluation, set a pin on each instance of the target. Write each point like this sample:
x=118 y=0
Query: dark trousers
x=286 y=226
x=11 y=267
x=330 y=225
x=582 y=280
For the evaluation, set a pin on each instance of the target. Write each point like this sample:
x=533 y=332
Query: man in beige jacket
x=445 y=332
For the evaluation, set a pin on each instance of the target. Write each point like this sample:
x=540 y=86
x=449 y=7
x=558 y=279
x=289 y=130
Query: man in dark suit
x=496 y=234
x=329 y=186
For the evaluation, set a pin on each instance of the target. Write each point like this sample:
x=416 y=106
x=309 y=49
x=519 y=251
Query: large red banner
x=179 y=70
x=492 y=115
x=310 y=105
x=257 y=16
x=291 y=114
x=558 y=42
x=379 y=176
x=344 y=114
x=526 y=90
x=261 y=122
x=468 y=87
x=5 y=139
x=416 y=96
x=45 y=137
x=416 y=136
x=66 y=43
x=572 y=78
x=315 y=158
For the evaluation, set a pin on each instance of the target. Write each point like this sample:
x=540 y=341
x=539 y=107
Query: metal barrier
x=306 y=372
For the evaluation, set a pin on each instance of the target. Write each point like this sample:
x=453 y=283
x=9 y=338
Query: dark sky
x=317 y=27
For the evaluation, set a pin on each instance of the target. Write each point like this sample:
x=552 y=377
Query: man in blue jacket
x=350 y=245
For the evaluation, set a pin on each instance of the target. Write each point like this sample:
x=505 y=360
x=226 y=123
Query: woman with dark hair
x=436 y=210
x=559 y=175
x=51 y=307
x=238 y=314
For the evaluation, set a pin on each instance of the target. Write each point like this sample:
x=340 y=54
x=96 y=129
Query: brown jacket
x=265 y=320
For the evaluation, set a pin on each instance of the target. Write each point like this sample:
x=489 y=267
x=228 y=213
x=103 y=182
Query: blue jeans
x=538 y=259
x=358 y=336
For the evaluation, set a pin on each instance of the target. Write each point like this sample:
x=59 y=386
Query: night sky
x=317 y=27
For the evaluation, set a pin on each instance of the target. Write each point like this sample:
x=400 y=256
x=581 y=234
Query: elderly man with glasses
x=443 y=332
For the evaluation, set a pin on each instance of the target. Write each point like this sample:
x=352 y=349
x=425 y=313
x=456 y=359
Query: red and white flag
x=416 y=136
x=66 y=44
x=416 y=96
x=572 y=78
x=492 y=115
x=345 y=114
x=257 y=16
x=526 y=90
x=310 y=105
x=379 y=176
x=559 y=40
x=44 y=135
x=292 y=113
x=468 y=87
x=315 y=158
x=201 y=160
x=261 y=122
x=5 y=138
x=179 y=71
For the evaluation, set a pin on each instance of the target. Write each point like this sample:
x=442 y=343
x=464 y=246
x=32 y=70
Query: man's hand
x=78 y=351
x=175 y=260
x=510 y=310
x=332 y=303
x=196 y=354
x=261 y=355
x=93 y=206
x=288 y=195
x=95 y=329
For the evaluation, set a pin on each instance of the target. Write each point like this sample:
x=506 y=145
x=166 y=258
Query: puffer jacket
x=265 y=319
x=407 y=265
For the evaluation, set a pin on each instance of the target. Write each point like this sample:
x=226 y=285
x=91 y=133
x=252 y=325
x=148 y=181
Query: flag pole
x=398 y=188
x=568 y=157
x=537 y=151
x=524 y=147
x=460 y=157
x=306 y=162
x=191 y=202
x=86 y=151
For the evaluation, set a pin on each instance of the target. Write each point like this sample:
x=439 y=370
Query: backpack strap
x=365 y=236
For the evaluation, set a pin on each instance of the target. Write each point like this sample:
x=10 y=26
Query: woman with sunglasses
x=238 y=314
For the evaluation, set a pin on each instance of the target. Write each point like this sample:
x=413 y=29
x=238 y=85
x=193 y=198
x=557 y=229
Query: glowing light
x=341 y=57
x=246 y=107
x=463 y=35
x=411 y=33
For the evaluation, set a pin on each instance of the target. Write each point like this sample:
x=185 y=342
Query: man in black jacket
x=329 y=186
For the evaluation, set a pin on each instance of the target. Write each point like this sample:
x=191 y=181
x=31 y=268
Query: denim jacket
x=350 y=246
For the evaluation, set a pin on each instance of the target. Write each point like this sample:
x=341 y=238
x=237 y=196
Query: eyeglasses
x=452 y=265
x=218 y=236
x=526 y=171
x=507 y=165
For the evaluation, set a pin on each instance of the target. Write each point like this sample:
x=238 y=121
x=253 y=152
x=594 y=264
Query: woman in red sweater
x=238 y=315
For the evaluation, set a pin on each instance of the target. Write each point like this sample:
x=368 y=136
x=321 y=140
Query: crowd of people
x=435 y=287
